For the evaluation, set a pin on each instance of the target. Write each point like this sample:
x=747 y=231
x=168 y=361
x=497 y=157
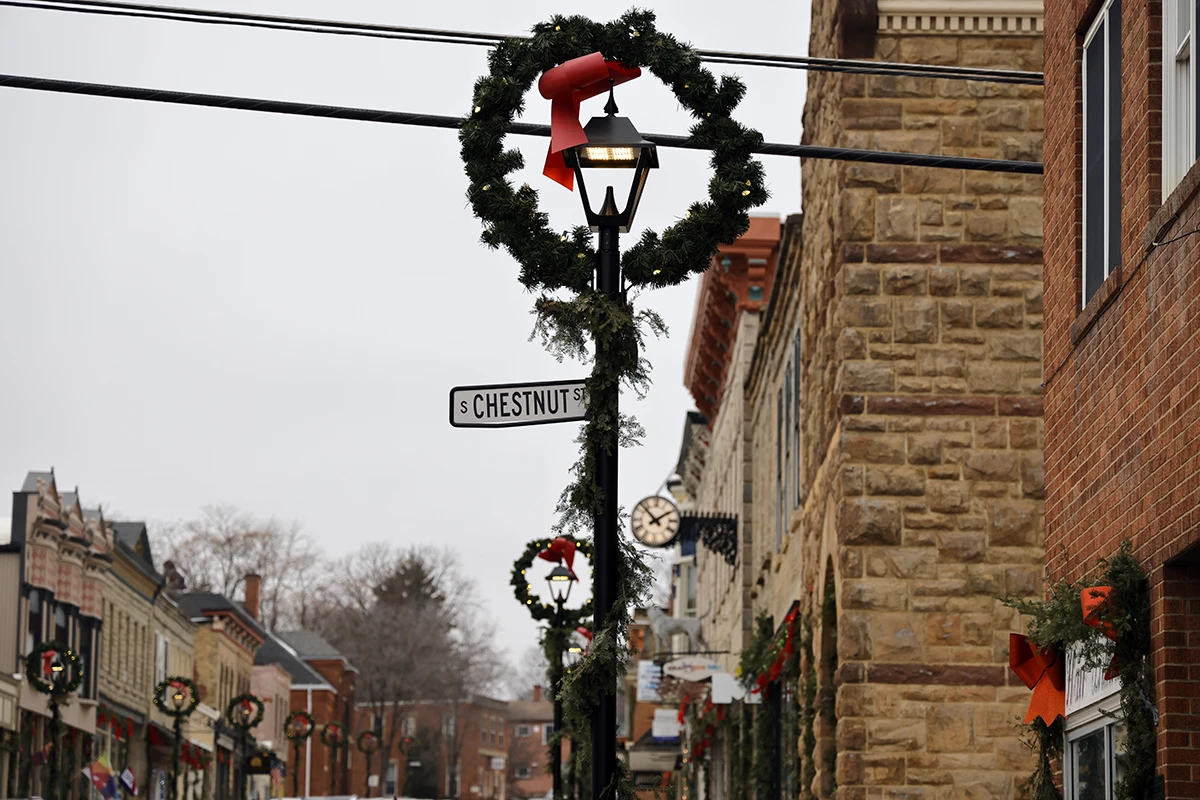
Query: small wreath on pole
x=333 y=734
x=40 y=667
x=545 y=612
x=555 y=260
x=368 y=742
x=172 y=686
x=298 y=726
x=243 y=702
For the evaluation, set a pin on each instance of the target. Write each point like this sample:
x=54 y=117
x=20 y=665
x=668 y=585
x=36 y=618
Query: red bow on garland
x=561 y=551
x=1041 y=671
x=48 y=662
x=775 y=668
x=1097 y=603
x=566 y=86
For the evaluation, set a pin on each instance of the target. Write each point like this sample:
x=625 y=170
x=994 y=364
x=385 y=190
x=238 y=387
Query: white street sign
x=692 y=668
x=511 y=404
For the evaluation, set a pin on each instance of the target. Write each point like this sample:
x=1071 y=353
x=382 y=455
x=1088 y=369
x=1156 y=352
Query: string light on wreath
x=244 y=711
x=554 y=551
x=54 y=669
x=176 y=696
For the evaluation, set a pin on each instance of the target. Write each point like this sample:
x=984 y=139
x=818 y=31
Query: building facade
x=529 y=726
x=1122 y=327
x=52 y=572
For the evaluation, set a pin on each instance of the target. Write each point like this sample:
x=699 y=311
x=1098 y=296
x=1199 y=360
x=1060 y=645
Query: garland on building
x=542 y=548
x=39 y=668
x=181 y=685
x=244 y=702
x=1106 y=623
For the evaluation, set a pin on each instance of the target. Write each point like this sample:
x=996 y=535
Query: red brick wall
x=1121 y=399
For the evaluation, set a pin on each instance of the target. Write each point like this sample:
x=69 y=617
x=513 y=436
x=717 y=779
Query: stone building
x=52 y=572
x=1122 y=337
x=881 y=443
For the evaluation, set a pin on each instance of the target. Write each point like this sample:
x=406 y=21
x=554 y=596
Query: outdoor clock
x=655 y=521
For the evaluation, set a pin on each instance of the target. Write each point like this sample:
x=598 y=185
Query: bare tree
x=412 y=626
x=216 y=551
x=531 y=670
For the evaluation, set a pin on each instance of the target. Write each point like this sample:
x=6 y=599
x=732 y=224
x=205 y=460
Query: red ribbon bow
x=566 y=86
x=1041 y=671
x=561 y=551
x=1097 y=603
x=48 y=662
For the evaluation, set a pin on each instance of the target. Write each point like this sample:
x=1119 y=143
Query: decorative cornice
x=993 y=17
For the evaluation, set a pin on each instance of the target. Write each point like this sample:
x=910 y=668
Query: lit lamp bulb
x=177 y=699
x=616 y=155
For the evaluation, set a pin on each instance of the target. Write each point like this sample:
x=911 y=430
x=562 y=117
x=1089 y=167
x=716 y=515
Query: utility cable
x=337 y=27
x=438 y=121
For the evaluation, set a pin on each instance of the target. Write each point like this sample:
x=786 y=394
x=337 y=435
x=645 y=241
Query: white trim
x=1177 y=46
x=1102 y=19
x=1021 y=17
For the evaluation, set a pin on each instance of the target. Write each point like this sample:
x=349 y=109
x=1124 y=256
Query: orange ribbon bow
x=1041 y=671
x=566 y=86
x=1097 y=602
x=561 y=551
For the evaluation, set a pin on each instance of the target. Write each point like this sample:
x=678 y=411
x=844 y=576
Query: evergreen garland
x=70 y=663
x=190 y=695
x=234 y=718
x=1058 y=622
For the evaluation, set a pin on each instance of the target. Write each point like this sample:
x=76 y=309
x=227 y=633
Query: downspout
x=308 y=754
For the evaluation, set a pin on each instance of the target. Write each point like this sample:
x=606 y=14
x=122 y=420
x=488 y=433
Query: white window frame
x=1178 y=92
x=522 y=731
x=523 y=773
x=547 y=732
x=1103 y=715
x=1102 y=21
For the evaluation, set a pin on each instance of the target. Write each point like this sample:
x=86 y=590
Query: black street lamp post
x=244 y=712
x=612 y=143
x=58 y=679
x=176 y=697
x=561 y=579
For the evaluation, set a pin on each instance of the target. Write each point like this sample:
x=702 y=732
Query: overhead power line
x=436 y=121
x=374 y=30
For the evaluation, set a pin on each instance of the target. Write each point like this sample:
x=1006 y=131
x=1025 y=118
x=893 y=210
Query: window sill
x=1171 y=208
x=1101 y=300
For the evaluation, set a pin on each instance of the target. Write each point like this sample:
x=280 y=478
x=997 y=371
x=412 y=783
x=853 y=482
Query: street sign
x=507 y=405
x=691 y=668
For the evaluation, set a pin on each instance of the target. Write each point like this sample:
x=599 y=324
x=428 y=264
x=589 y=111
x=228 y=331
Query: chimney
x=537 y=693
x=253 y=583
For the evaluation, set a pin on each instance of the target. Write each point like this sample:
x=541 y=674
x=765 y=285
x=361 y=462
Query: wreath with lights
x=291 y=729
x=368 y=742
x=176 y=682
x=239 y=702
x=38 y=663
x=545 y=612
x=333 y=734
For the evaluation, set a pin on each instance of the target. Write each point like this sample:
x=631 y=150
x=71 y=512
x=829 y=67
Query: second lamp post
x=561 y=579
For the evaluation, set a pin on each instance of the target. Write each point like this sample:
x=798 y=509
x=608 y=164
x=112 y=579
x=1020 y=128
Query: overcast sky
x=204 y=306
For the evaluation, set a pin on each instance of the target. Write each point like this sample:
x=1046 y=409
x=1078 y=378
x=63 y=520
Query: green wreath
x=35 y=664
x=368 y=742
x=537 y=609
x=555 y=260
x=293 y=733
x=236 y=703
x=189 y=689
x=333 y=734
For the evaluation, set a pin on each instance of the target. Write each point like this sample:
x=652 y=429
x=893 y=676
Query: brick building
x=877 y=430
x=530 y=725
x=1122 y=329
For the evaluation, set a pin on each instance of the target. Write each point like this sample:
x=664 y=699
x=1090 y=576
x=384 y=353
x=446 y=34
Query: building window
x=796 y=420
x=448 y=725
x=408 y=725
x=522 y=731
x=62 y=625
x=389 y=780
x=779 y=493
x=162 y=666
x=1102 y=148
x=547 y=732
x=34 y=633
x=523 y=773
x=1094 y=753
x=1178 y=92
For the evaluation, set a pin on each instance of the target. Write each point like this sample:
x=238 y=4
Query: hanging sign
x=507 y=405
x=691 y=668
x=665 y=725
x=649 y=676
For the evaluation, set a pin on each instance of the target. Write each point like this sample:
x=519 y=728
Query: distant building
x=530 y=726
x=52 y=574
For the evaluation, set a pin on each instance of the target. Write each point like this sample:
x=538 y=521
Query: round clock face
x=655 y=521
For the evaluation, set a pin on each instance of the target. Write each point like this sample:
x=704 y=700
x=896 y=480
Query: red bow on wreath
x=48 y=658
x=1042 y=671
x=1097 y=603
x=561 y=551
x=566 y=86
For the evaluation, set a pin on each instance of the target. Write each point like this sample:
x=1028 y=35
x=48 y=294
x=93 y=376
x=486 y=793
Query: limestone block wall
x=919 y=302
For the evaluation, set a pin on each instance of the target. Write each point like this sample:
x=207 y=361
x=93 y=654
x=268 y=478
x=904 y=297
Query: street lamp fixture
x=178 y=700
x=612 y=143
x=561 y=580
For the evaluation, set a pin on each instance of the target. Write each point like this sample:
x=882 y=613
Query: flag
x=129 y=781
x=43 y=756
x=99 y=772
x=276 y=774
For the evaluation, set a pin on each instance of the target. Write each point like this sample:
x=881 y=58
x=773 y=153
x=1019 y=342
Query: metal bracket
x=717 y=532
